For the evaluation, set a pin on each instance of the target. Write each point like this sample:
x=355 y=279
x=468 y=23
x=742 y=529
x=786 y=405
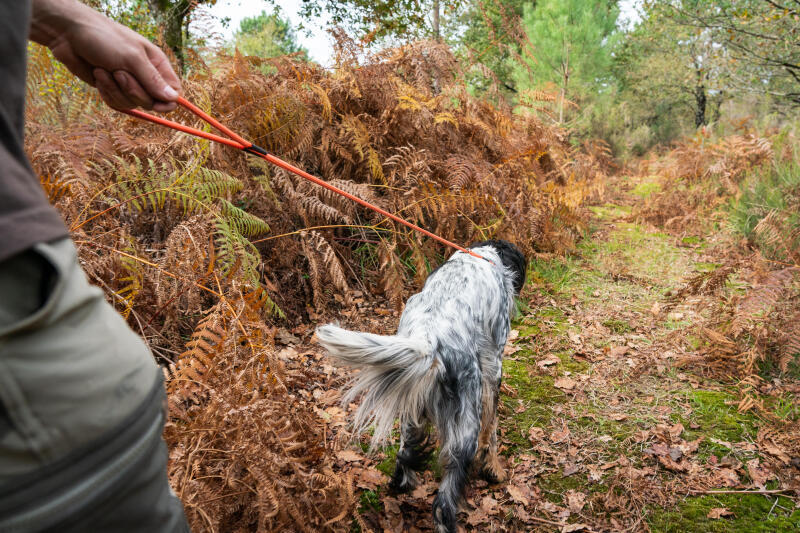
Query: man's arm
x=127 y=69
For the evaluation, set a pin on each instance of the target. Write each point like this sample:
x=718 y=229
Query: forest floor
x=604 y=427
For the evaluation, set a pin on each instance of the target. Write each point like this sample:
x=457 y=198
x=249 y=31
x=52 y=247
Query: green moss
x=691 y=240
x=387 y=465
x=646 y=255
x=552 y=274
x=646 y=189
x=610 y=211
x=706 y=267
x=751 y=513
x=537 y=394
x=569 y=364
x=716 y=416
x=618 y=326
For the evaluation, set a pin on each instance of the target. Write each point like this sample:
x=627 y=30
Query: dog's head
x=511 y=257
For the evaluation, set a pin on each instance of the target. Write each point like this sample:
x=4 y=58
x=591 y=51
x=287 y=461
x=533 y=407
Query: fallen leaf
x=757 y=473
x=565 y=383
x=575 y=500
x=489 y=505
x=535 y=434
x=519 y=494
x=477 y=517
x=548 y=361
x=287 y=354
x=676 y=430
x=421 y=492
x=510 y=349
x=570 y=528
x=284 y=337
x=349 y=456
x=618 y=351
x=574 y=337
x=369 y=478
x=560 y=435
x=718 y=512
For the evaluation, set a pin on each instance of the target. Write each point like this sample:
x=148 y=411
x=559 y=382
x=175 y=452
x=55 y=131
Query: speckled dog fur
x=442 y=368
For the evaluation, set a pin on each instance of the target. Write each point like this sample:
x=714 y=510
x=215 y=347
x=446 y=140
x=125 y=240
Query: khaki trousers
x=81 y=406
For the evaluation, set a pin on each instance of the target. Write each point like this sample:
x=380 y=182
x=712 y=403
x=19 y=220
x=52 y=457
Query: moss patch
x=716 y=416
x=610 y=211
x=751 y=513
x=646 y=189
x=537 y=394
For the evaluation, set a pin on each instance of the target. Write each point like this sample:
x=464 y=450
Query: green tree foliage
x=761 y=39
x=396 y=19
x=267 y=35
x=669 y=77
x=572 y=42
x=489 y=37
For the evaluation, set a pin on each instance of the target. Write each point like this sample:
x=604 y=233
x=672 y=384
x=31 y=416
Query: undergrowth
x=208 y=254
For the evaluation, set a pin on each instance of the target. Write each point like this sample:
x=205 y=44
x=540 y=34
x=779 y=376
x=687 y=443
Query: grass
x=646 y=189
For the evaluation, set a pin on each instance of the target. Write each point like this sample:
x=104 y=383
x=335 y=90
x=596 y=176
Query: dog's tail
x=397 y=375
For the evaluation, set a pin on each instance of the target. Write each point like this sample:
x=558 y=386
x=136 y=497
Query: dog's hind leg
x=459 y=444
x=488 y=464
x=413 y=455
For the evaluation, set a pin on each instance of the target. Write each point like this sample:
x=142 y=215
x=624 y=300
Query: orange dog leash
x=236 y=141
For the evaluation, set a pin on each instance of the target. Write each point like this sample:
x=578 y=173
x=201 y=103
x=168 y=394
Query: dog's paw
x=403 y=481
x=494 y=475
x=444 y=516
x=492 y=471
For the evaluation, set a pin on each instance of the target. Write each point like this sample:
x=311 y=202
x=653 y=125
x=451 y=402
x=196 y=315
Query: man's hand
x=127 y=69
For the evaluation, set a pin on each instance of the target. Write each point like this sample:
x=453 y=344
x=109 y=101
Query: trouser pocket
x=117 y=483
x=70 y=367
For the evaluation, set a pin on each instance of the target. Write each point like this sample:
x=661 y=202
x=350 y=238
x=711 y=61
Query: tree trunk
x=564 y=82
x=170 y=16
x=700 y=101
x=436 y=33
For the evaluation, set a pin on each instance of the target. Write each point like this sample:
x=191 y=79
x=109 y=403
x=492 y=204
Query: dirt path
x=603 y=426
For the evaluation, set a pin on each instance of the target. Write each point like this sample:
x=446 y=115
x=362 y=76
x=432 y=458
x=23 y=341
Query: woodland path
x=604 y=426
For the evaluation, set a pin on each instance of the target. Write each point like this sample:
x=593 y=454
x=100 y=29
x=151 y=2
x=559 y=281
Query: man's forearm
x=127 y=69
x=53 y=18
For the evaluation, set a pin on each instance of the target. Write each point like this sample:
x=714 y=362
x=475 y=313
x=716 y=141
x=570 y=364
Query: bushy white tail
x=397 y=375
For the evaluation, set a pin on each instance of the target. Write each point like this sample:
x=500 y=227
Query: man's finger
x=132 y=90
x=161 y=63
x=111 y=93
x=150 y=78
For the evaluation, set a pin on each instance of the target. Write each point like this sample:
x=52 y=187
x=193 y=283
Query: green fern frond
x=241 y=221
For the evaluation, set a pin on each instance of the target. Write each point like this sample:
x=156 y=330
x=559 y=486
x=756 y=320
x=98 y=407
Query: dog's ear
x=512 y=259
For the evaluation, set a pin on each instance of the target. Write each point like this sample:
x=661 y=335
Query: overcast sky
x=318 y=43
x=315 y=38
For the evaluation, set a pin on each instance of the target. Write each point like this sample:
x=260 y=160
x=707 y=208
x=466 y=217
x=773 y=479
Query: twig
x=552 y=523
x=772 y=508
x=774 y=491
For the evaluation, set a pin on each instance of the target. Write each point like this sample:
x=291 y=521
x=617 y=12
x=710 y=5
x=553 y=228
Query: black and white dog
x=443 y=366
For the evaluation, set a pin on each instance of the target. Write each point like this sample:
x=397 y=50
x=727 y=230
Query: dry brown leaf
x=565 y=383
x=718 y=512
x=548 y=361
x=575 y=500
x=519 y=494
x=349 y=456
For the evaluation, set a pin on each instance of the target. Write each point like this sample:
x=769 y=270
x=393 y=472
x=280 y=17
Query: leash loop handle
x=236 y=141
